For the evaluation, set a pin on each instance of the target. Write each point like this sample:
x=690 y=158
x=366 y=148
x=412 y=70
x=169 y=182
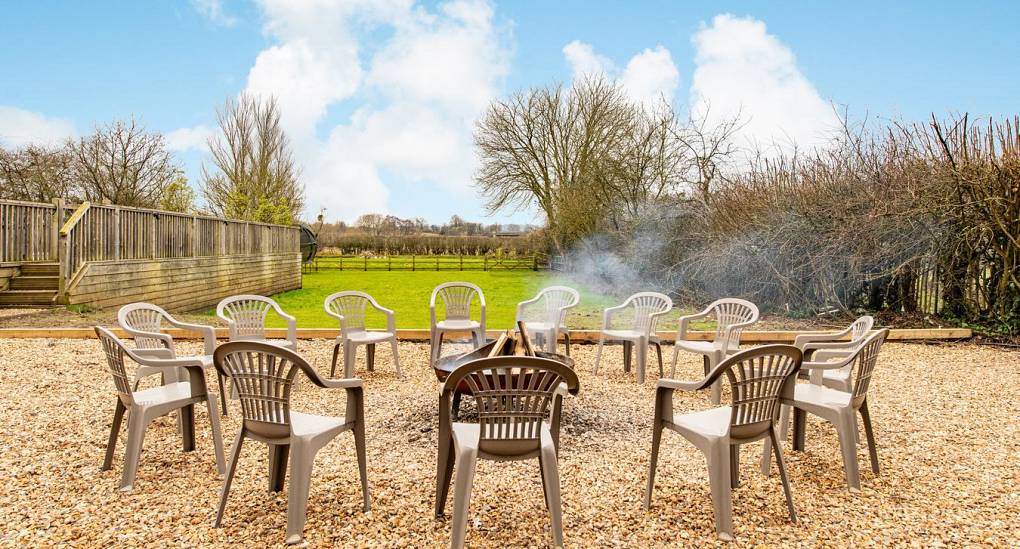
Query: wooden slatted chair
x=144 y=322
x=758 y=377
x=143 y=406
x=545 y=315
x=264 y=375
x=517 y=416
x=349 y=309
x=245 y=316
x=731 y=317
x=645 y=308
x=457 y=299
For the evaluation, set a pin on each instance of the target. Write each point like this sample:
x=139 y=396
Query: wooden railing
x=117 y=233
x=28 y=230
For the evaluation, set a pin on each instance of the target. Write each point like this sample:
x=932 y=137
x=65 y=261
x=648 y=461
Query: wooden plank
x=422 y=334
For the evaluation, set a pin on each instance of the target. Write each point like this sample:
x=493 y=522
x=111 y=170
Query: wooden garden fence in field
x=428 y=263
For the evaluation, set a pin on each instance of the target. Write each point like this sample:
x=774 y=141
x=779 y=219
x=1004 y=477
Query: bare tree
x=37 y=174
x=253 y=175
x=123 y=164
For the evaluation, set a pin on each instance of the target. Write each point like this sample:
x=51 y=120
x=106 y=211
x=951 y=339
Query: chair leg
x=627 y=352
x=336 y=353
x=396 y=356
x=848 y=447
x=735 y=466
x=545 y=486
x=187 y=417
x=278 y=456
x=642 y=359
x=235 y=454
x=118 y=417
x=653 y=462
x=719 y=479
x=598 y=354
x=370 y=356
x=551 y=476
x=444 y=473
x=717 y=386
x=465 y=468
x=799 y=428
x=550 y=341
x=223 y=391
x=676 y=355
x=477 y=338
x=658 y=351
x=455 y=407
x=566 y=338
x=870 y=433
x=437 y=347
x=137 y=422
x=214 y=425
x=782 y=473
x=784 y=421
x=359 y=448
x=350 y=357
x=297 y=498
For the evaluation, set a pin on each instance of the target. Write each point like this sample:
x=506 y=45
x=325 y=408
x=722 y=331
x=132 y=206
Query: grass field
x=407 y=293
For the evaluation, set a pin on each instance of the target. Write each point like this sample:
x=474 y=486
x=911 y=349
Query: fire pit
x=508 y=343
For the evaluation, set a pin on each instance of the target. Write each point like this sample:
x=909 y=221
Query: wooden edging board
x=577 y=336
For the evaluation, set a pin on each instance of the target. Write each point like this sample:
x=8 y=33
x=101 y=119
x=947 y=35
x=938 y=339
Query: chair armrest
x=820 y=346
x=674 y=384
x=164 y=338
x=681 y=332
x=728 y=332
x=607 y=315
x=817 y=364
x=348 y=383
x=803 y=339
x=208 y=333
x=291 y=324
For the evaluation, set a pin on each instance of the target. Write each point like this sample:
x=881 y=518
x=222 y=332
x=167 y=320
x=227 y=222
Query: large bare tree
x=253 y=174
x=37 y=174
x=124 y=164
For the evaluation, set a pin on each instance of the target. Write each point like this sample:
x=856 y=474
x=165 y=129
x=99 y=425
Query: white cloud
x=213 y=11
x=184 y=139
x=649 y=77
x=19 y=127
x=415 y=93
x=740 y=68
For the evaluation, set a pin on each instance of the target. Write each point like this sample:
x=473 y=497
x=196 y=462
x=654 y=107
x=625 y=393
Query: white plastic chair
x=731 y=317
x=545 y=315
x=264 y=375
x=143 y=322
x=349 y=309
x=647 y=308
x=457 y=298
x=835 y=346
x=840 y=408
x=518 y=418
x=245 y=316
x=759 y=377
x=144 y=406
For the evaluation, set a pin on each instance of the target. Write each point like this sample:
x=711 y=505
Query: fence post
x=366 y=263
x=534 y=262
x=389 y=263
x=58 y=222
x=194 y=236
x=152 y=236
x=116 y=234
x=437 y=263
x=412 y=262
x=462 y=262
x=485 y=263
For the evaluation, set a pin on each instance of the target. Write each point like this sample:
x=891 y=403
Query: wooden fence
x=427 y=263
x=29 y=231
x=96 y=233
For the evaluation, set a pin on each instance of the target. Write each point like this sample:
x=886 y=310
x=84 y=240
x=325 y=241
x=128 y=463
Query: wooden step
x=40 y=269
x=34 y=283
x=27 y=297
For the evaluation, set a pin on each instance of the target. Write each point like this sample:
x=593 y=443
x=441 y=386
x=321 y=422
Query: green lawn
x=407 y=293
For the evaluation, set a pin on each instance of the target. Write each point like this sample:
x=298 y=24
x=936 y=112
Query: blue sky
x=380 y=96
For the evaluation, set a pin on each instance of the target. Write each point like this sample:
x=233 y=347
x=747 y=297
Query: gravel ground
x=945 y=417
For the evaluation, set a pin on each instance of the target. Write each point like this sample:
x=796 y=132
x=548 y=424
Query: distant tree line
x=392 y=235
x=252 y=174
x=908 y=218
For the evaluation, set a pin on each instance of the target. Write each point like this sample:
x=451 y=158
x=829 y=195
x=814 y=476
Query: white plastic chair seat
x=623 y=334
x=310 y=425
x=702 y=347
x=457 y=324
x=819 y=400
x=466 y=436
x=537 y=326
x=367 y=337
x=836 y=379
x=711 y=423
x=164 y=394
x=286 y=344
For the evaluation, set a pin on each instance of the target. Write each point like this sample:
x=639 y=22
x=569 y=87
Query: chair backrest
x=730 y=311
x=555 y=300
x=514 y=395
x=144 y=317
x=645 y=305
x=114 y=349
x=351 y=306
x=758 y=377
x=264 y=376
x=457 y=298
x=863 y=365
x=860 y=328
x=247 y=314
